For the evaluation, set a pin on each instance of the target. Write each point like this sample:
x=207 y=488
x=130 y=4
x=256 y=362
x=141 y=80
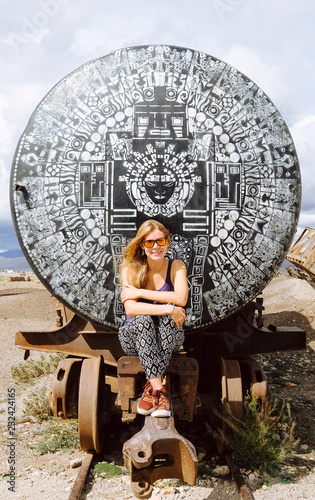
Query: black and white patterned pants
x=153 y=339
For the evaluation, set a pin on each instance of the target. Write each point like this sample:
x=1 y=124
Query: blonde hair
x=134 y=258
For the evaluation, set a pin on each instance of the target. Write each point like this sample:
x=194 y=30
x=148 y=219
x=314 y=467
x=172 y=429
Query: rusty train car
x=177 y=135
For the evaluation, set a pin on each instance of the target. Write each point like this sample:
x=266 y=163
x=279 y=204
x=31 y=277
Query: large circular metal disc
x=156 y=132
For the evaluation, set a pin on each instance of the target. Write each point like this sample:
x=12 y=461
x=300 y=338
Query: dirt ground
x=288 y=301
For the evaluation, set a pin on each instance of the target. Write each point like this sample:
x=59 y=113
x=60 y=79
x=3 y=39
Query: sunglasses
x=150 y=243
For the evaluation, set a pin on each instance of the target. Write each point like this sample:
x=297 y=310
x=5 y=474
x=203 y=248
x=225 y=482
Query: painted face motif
x=159 y=191
x=160 y=186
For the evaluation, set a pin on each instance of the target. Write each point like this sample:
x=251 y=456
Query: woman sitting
x=154 y=292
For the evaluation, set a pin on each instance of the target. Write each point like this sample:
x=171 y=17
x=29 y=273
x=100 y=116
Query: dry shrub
x=264 y=438
x=30 y=369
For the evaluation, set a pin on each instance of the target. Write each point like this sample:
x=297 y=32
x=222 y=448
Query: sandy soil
x=288 y=302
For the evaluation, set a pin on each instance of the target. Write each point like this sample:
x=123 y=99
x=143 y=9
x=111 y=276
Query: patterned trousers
x=153 y=339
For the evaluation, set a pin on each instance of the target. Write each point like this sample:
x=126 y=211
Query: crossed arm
x=166 y=300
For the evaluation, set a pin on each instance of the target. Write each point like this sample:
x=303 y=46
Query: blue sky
x=271 y=41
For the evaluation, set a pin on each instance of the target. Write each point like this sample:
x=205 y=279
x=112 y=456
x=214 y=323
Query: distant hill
x=14 y=263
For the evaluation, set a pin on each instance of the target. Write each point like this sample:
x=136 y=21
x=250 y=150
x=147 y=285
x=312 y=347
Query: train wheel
x=254 y=378
x=63 y=396
x=91 y=404
x=232 y=395
x=232 y=392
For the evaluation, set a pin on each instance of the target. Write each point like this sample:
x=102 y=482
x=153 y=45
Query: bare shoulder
x=178 y=265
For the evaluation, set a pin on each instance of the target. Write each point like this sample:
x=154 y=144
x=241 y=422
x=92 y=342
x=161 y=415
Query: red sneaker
x=146 y=402
x=161 y=404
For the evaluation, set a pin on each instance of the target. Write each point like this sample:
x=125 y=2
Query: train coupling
x=158 y=451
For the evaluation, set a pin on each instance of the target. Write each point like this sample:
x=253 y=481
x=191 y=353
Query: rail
x=81 y=478
x=242 y=487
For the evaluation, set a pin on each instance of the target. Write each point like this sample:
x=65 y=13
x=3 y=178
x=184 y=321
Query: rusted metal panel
x=77 y=337
x=302 y=253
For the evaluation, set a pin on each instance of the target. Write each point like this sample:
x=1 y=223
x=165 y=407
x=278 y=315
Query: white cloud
x=6 y=136
x=7 y=146
x=111 y=31
x=4 y=192
x=17 y=103
x=16 y=40
x=307 y=219
x=303 y=133
x=86 y=42
x=24 y=97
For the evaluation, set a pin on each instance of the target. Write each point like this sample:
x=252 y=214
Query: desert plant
x=37 y=404
x=30 y=369
x=59 y=434
x=106 y=470
x=264 y=438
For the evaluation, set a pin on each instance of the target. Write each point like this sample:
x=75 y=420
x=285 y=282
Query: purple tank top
x=168 y=285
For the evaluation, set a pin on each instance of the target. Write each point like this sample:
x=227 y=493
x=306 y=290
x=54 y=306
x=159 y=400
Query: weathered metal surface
x=181 y=380
x=237 y=336
x=231 y=383
x=302 y=253
x=76 y=337
x=232 y=397
x=63 y=396
x=77 y=487
x=156 y=132
x=244 y=490
x=91 y=404
x=158 y=451
x=254 y=377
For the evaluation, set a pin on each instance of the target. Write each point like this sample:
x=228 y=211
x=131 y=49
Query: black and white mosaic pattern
x=156 y=132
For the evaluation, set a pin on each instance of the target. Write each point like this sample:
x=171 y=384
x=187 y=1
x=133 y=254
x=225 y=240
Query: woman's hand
x=178 y=316
x=129 y=293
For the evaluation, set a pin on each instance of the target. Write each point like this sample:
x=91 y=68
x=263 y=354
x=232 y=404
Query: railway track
x=75 y=494
x=82 y=476
x=245 y=492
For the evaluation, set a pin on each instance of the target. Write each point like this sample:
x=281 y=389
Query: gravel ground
x=287 y=300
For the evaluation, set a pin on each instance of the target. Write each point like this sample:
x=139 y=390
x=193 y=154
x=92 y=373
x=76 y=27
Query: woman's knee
x=145 y=321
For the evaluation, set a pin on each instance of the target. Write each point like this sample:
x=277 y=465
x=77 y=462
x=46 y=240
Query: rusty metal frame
x=238 y=336
x=77 y=337
x=181 y=379
x=158 y=451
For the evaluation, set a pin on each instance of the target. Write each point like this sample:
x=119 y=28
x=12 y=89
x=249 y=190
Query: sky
x=270 y=41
